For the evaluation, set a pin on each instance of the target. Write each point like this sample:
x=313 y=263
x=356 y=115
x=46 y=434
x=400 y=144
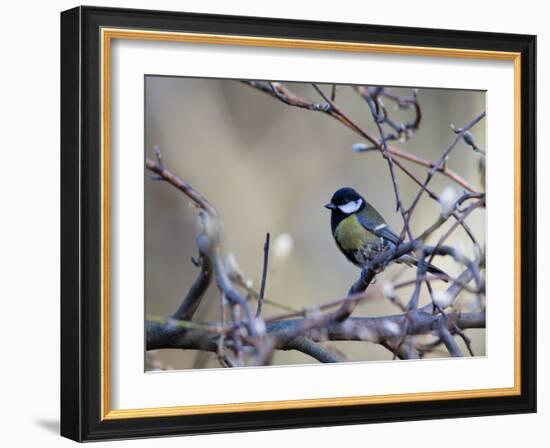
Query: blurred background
x=269 y=167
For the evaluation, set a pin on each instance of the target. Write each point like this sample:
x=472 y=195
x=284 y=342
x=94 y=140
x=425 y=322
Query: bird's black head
x=346 y=201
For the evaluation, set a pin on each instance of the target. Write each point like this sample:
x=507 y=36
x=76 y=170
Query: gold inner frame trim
x=107 y=35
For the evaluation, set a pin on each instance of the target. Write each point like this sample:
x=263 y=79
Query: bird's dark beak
x=330 y=206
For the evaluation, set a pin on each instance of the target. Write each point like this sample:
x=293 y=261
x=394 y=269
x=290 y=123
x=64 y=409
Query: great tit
x=360 y=231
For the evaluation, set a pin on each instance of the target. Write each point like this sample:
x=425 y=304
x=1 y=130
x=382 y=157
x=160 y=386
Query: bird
x=360 y=232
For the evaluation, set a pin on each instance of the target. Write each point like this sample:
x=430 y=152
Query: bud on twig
x=447 y=200
x=443 y=299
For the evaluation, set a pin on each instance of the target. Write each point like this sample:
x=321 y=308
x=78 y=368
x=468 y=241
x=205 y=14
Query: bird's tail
x=410 y=260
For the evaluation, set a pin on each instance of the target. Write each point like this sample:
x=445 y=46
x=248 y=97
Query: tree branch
x=180 y=184
x=209 y=240
x=313 y=349
x=245 y=338
x=371 y=329
x=193 y=298
x=282 y=93
x=264 y=276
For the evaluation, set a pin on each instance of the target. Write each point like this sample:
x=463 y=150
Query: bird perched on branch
x=360 y=231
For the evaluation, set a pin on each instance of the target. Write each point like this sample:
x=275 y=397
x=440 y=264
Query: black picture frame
x=81 y=224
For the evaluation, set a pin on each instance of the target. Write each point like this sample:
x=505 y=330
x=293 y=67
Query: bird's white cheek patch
x=351 y=207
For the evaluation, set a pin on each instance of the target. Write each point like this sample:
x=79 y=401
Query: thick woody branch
x=313 y=349
x=285 y=332
x=448 y=340
x=192 y=300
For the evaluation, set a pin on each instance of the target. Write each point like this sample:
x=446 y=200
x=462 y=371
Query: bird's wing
x=380 y=230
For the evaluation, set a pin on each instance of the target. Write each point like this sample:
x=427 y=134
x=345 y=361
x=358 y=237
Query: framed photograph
x=276 y=224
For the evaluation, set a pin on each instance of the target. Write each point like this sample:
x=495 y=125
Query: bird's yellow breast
x=351 y=235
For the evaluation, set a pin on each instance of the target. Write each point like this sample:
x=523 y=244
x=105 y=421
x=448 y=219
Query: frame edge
x=71 y=379
x=529 y=223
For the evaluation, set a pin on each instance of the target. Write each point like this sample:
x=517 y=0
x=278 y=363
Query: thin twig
x=283 y=94
x=441 y=162
x=171 y=178
x=264 y=276
x=388 y=156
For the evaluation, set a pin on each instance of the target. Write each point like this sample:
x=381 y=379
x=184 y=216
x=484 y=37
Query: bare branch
x=171 y=178
x=448 y=340
x=286 y=96
x=375 y=107
x=264 y=276
x=192 y=300
x=313 y=349
x=246 y=338
x=209 y=241
x=370 y=329
x=440 y=163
